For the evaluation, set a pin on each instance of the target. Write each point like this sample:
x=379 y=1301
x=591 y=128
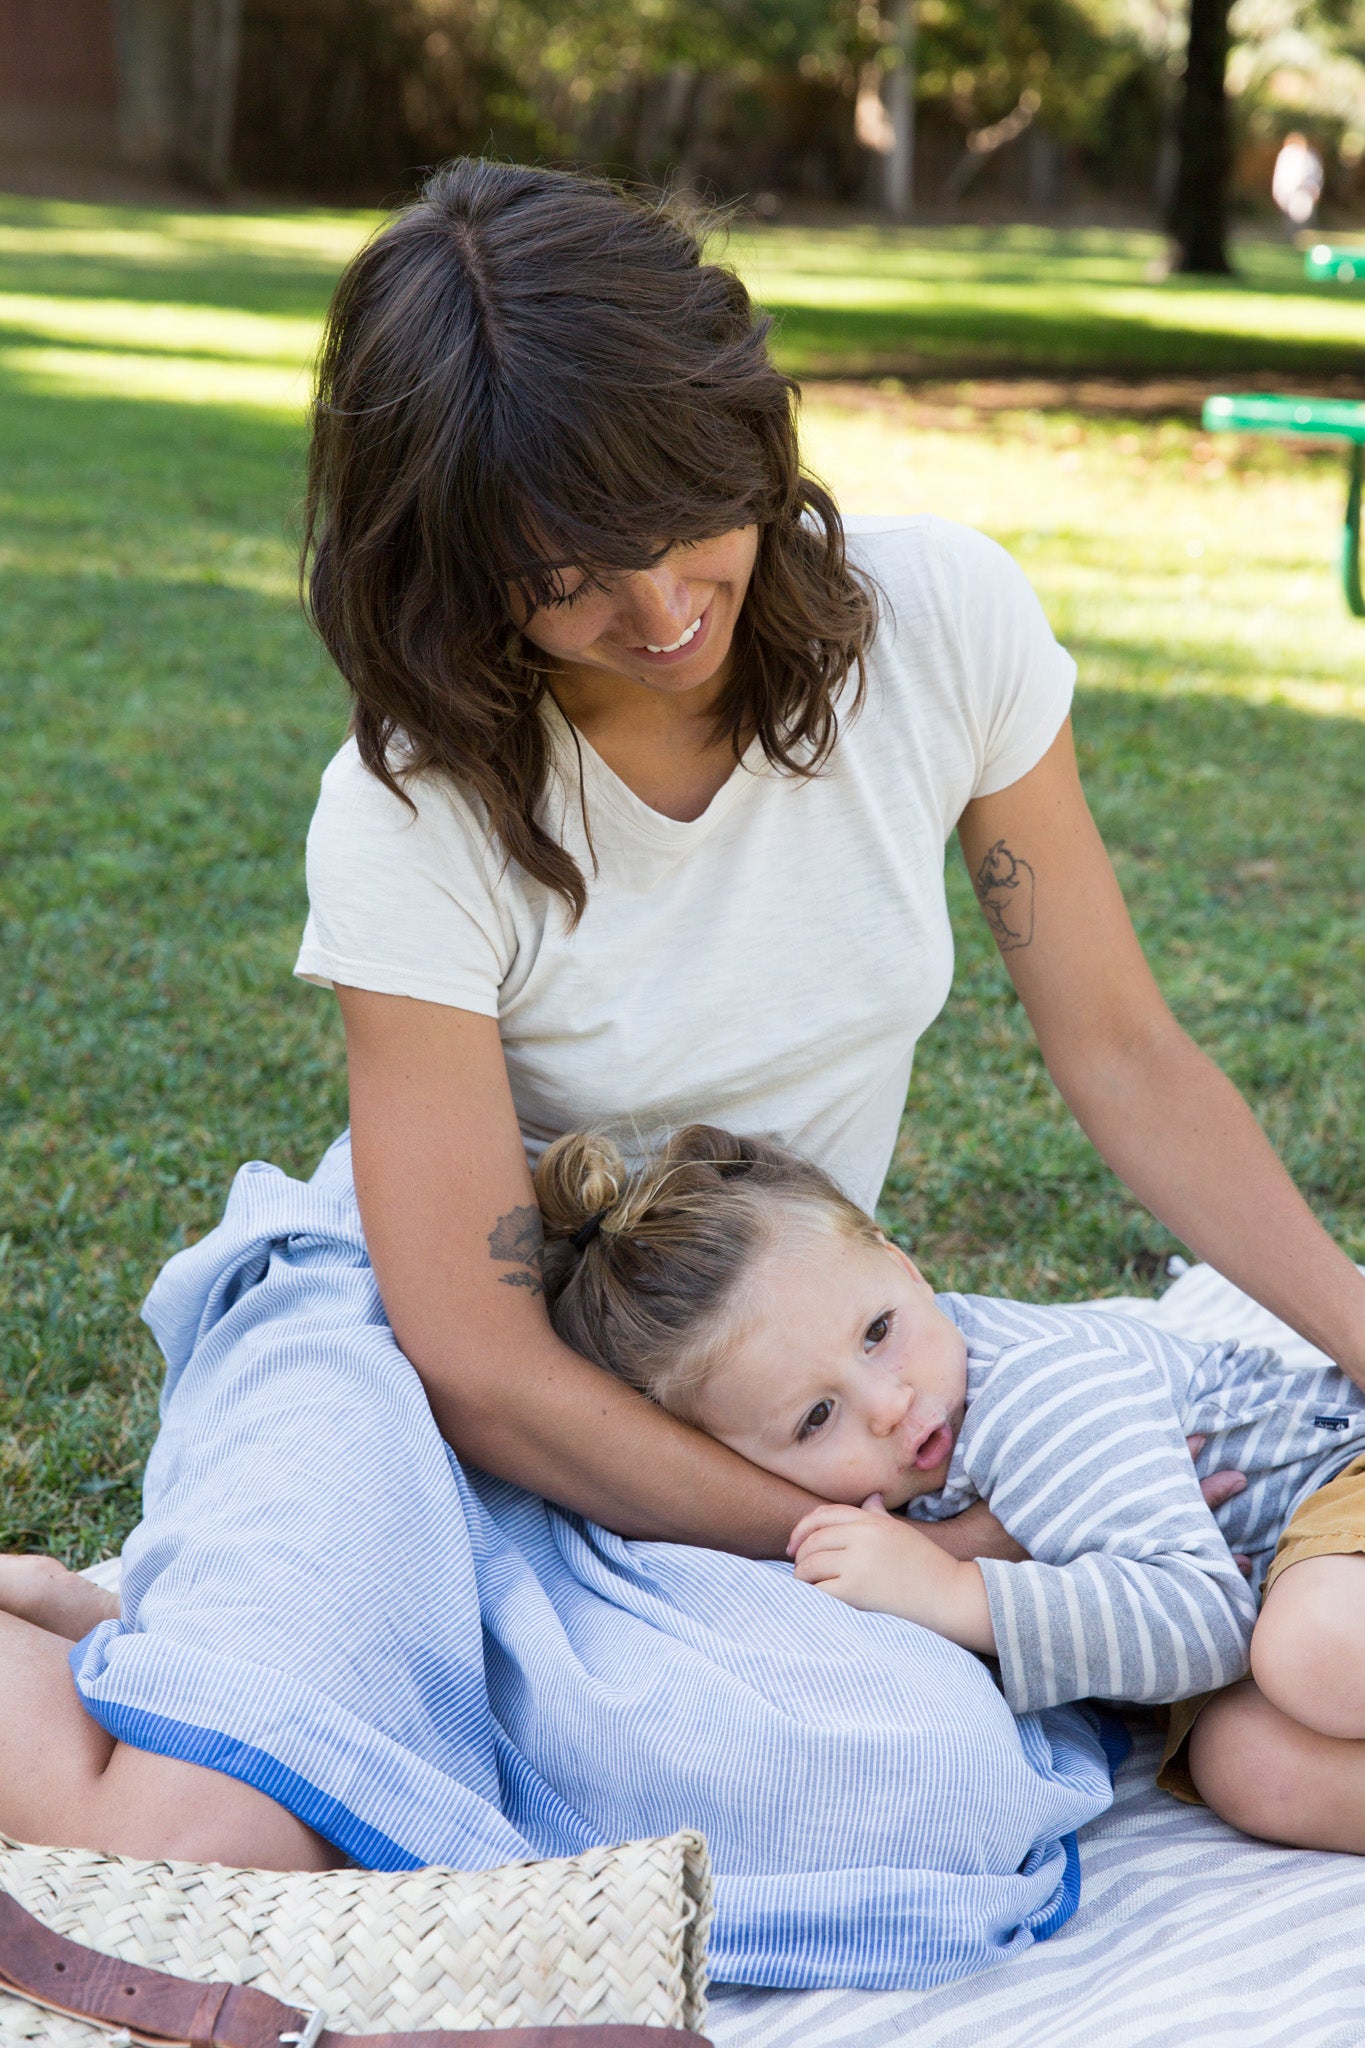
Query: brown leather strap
x=169 y=2012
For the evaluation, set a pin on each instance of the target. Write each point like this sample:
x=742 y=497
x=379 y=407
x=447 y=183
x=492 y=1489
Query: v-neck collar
x=575 y=754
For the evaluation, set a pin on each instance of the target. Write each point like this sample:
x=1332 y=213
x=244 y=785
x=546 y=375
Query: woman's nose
x=659 y=605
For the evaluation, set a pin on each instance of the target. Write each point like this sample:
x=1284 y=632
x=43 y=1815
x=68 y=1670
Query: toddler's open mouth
x=936 y=1447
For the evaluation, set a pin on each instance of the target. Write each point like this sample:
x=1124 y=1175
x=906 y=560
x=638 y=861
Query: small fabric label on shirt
x=1331 y=1422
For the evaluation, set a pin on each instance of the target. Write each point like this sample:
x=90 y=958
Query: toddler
x=735 y=1285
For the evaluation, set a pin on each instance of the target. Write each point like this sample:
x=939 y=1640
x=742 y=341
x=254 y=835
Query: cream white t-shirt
x=768 y=966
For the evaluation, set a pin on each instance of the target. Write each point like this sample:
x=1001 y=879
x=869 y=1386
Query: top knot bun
x=578 y=1177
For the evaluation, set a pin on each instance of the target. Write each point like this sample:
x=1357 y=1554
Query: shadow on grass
x=852 y=340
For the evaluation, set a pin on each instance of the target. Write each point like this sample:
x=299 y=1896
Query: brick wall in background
x=58 y=77
x=57 y=53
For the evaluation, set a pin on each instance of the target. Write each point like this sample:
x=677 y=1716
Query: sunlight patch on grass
x=173 y=380
x=132 y=235
x=176 y=330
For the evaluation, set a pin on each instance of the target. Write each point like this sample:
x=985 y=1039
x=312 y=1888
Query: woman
x=643 y=818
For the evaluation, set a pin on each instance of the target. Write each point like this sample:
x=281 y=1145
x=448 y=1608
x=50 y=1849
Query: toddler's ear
x=899 y=1252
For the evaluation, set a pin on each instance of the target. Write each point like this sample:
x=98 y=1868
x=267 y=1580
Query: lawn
x=860 y=300
x=164 y=716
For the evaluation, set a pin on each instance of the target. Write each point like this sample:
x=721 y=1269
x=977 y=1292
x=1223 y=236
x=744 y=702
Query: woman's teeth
x=680 y=642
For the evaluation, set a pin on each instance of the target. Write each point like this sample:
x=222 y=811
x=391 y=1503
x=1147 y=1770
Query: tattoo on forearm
x=518 y=1239
x=1004 y=889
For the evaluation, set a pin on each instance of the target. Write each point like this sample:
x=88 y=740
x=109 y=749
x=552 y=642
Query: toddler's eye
x=876 y=1332
x=816 y=1420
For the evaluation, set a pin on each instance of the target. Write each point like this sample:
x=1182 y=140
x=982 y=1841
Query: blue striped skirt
x=430 y=1666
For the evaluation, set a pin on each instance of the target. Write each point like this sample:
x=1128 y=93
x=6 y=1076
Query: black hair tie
x=581 y=1239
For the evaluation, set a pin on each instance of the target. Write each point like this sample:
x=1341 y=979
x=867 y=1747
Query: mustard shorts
x=1330 y=1523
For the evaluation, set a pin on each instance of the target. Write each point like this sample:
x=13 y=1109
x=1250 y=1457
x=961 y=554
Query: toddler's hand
x=881 y=1563
x=861 y=1555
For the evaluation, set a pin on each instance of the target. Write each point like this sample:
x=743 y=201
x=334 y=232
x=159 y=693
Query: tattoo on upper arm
x=1004 y=889
x=518 y=1239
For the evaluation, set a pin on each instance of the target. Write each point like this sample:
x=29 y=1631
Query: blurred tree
x=1301 y=64
x=352 y=99
x=978 y=57
x=178 y=68
x=1197 y=216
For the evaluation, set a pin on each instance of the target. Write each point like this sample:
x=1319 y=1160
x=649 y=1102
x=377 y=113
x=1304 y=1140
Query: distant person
x=1296 y=185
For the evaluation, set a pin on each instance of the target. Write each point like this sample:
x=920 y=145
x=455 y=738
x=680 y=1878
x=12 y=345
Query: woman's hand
x=1160 y=1112
x=886 y=1565
x=972 y=1534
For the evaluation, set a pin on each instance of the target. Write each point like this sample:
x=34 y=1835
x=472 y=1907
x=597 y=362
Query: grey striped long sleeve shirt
x=1075 y=1434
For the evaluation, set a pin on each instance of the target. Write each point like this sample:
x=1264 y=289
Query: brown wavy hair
x=528 y=371
x=646 y=1260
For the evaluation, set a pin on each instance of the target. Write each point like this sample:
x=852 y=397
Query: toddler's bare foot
x=40 y=1590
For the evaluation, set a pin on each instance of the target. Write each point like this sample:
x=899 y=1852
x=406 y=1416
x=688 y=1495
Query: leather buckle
x=314 y=2026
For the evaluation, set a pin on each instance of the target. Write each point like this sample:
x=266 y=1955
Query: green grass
x=901 y=300
x=164 y=716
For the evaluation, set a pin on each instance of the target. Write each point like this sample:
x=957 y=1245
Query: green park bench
x=1336 y=419
x=1329 y=264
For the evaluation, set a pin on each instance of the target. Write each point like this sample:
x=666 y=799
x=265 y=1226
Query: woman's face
x=669 y=627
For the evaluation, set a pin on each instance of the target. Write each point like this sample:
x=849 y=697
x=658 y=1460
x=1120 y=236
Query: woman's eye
x=569 y=597
x=876 y=1332
x=816 y=1420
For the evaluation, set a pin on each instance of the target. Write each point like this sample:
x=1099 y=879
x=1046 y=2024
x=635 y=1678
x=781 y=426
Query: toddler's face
x=844 y=1375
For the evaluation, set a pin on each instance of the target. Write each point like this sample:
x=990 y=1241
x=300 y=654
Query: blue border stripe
x=1070 y=1895
x=1115 y=1740
x=251 y=1766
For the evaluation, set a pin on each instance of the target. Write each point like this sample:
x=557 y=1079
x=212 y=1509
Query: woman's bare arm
x=454 y=1235
x=1155 y=1107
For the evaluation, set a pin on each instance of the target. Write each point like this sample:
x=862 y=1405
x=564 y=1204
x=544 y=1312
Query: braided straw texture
x=616 y=1934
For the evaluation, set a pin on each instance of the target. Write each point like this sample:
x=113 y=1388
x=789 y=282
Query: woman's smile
x=690 y=644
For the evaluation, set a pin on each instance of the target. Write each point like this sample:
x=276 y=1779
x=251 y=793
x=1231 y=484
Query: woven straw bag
x=616 y=1935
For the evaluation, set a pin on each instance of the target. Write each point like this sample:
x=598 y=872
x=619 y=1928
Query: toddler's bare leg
x=63 y=1780
x=40 y=1590
x=1308 y=1650
x=1272 y=1777
x=1283 y=1755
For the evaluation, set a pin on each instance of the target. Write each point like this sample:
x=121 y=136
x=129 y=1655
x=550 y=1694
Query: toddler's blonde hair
x=646 y=1262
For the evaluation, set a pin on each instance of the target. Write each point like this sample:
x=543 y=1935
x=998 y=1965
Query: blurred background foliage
x=761 y=98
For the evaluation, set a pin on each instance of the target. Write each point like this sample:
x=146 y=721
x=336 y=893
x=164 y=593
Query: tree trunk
x=898 y=175
x=178 y=86
x=1197 y=217
x=214 y=54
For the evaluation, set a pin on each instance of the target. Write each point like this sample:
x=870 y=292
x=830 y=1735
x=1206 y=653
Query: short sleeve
x=401 y=902
x=1020 y=680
